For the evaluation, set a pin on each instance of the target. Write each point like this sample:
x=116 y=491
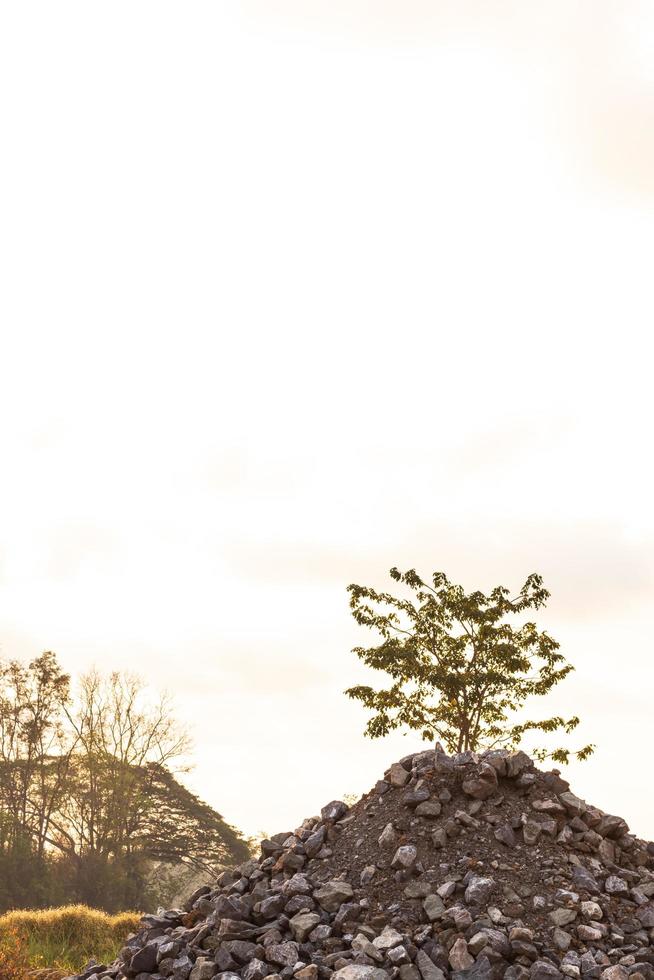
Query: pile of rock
x=458 y=866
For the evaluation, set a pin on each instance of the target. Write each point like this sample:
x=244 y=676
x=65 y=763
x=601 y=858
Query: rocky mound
x=466 y=866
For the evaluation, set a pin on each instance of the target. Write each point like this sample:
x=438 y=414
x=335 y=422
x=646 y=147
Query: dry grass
x=66 y=938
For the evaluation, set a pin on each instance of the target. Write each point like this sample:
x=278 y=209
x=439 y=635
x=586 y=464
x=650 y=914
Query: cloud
x=596 y=85
x=591 y=567
x=76 y=547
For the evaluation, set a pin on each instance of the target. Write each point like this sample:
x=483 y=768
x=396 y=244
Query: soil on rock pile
x=464 y=867
x=452 y=839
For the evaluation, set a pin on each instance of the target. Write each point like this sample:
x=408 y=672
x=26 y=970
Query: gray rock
x=302 y=924
x=584 y=880
x=361 y=944
x=516 y=763
x=256 y=969
x=479 y=890
x=356 y=971
x=145 y=959
x=313 y=844
x=368 y=874
x=388 y=837
x=614 y=885
x=613 y=827
x=282 y=954
x=309 y=972
x=405 y=857
x=544 y=970
x=182 y=967
x=416 y=794
x=271 y=907
x=483 y=784
x=505 y=835
x=429 y=809
x=398 y=776
x=459 y=957
x=562 y=939
x=616 y=972
x=498 y=941
x=516 y=972
x=331 y=895
x=334 y=811
x=497 y=759
x=480 y=970
x=434 y=907
x=563 y=917
x=572 y=803
x=205 y=969
x=645 y=915
x=388 y=938
x=418 y=888
x=531 y=831
x=320 y=933
x=427 y=968
x=550 y=807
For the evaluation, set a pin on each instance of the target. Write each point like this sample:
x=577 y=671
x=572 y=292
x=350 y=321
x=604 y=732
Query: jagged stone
x=506 y=835
x=145 y=960
x=205 y=969
x=357 y=971
x=479 y=890
x=398 y=775
x=334 y=811
x=388 y=938
x=427 y=968
x=572 y=803
x=333 y=894
x=362 y=944
x=309 y=972
x=482 y=784
x=614 y=885
x=583 y=879
x=544 y=970
x=388 y=837
x=459 y=957
x=434 y=907
x=516 y=763
x=429 y=809
x=480 y=970
x=282 y=954
x=405 y=857
x=302 y=924
x=563 y=917
x=616 y=972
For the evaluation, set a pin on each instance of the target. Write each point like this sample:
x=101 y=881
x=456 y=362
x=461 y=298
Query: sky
x=295 y=291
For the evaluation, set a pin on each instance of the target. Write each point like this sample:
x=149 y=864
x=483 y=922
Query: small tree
x=460 y=670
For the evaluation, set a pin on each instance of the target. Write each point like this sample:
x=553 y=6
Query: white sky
x=296 y=291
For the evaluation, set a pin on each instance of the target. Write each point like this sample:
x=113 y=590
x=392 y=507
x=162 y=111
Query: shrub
x=13 y=955
x=67 y=937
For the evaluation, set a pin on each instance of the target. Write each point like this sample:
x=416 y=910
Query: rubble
x=452 y=868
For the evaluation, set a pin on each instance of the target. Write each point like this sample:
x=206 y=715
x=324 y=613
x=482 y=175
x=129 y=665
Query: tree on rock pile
x=460 y=669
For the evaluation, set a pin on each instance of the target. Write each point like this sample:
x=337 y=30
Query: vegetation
x=89 y=801
x=62 y=938
x=461 y=671
x=14 y=961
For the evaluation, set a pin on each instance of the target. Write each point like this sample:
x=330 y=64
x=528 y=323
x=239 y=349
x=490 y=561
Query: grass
x=66 y=938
